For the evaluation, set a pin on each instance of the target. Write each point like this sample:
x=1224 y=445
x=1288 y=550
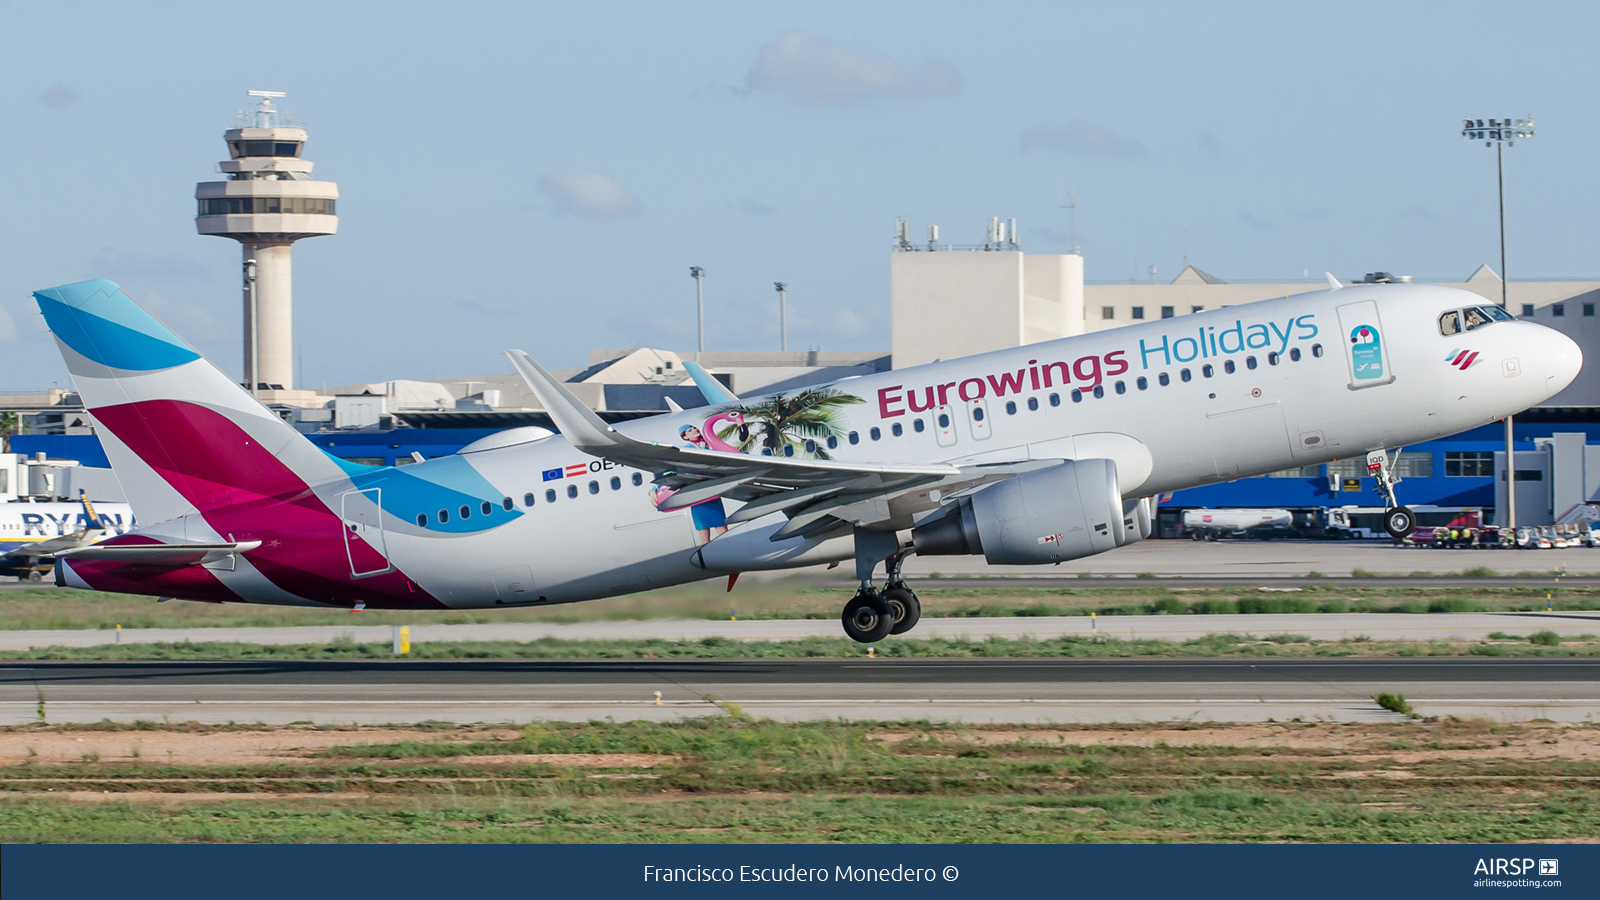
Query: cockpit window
x=1476 y=318
x=1498 y=314
x=1450 y=323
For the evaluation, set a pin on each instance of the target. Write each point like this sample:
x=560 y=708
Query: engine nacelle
x=1065 y=512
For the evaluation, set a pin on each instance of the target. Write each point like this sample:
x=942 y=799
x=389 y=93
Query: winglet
x=673 y=405
x=710 y=388
x=577 y=422
x=1333 y=283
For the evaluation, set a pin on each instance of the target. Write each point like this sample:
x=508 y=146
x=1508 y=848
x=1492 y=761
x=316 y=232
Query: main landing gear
x=1399 y=521
x=871 y=615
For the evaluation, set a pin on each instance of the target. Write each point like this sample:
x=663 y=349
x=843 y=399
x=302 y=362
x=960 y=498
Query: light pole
x=255 y=331
x=783 y=317
x=699 y=276
x=1500 y=133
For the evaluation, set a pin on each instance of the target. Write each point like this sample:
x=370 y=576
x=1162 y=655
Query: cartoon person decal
x=1366 y=353
x=710 y=520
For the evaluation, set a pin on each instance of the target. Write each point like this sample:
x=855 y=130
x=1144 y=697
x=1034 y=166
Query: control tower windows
x=244 y=206
x=241 y=149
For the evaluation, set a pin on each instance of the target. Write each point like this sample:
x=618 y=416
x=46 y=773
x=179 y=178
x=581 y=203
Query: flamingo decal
x=709 y=430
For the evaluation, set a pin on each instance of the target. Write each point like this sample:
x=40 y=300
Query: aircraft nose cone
x=1563 y=359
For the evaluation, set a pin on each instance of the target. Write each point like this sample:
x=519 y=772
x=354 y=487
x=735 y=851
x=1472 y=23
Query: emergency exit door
x=362 y=512
x=1366 y=346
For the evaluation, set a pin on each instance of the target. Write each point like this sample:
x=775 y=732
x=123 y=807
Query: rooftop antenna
x=1186 y=245
x=266 y=115
x=1071 y=206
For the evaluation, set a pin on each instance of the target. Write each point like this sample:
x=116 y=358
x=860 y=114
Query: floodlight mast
x=1501 y=133
x=699 y=275
x=783 y=316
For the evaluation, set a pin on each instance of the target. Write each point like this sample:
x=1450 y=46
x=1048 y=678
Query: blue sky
x=543 y=175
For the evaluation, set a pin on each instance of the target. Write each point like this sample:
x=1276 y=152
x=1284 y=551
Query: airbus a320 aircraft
x=1038 y=454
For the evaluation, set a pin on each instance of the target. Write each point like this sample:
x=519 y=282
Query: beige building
x=949 y=301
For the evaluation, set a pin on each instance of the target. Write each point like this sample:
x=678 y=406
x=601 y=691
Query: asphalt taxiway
x=972 y=690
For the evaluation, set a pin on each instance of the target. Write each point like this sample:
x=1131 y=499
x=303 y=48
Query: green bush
x=1171 y=606
x=1410 y=606
x=1336 y=605
x=1395 y=703
x=1454 y=605
x=1545 y=638
x=1267 y=605
x=1479 y=572
x=1214 y=607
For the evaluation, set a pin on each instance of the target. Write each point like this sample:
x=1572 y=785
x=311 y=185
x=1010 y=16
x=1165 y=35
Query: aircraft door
x=944 y=426
x=362 y=512
x=1366 y=346
x=978 y=418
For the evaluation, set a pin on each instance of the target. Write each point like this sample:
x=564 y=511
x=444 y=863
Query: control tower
x=268 y=202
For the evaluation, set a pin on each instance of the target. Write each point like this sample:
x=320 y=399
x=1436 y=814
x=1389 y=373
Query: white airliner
x=1038 y=454
x=31 y=533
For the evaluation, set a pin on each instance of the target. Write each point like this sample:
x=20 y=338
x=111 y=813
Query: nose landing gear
x=871 y=616
x=1399 y=521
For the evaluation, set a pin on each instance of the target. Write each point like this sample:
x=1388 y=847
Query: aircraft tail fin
x=181 y=435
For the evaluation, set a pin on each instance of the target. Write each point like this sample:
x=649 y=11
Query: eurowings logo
x=1463 y=359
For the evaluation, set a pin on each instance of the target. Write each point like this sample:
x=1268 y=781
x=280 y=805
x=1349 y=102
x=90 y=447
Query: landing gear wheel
x=907 y=609
x=868 y=618
x=35 y=576
x=1399 y=522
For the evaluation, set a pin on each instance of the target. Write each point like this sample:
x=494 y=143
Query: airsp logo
x=1501 y=866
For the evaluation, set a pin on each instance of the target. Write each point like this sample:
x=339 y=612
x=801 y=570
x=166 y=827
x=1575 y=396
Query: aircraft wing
x=816 y=494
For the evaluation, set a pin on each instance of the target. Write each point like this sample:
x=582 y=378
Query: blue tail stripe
x=100 y=322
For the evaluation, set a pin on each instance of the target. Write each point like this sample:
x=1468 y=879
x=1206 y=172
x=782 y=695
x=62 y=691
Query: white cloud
x=588 y=195
x=1079 y=138
x=59 y=96
x=812 y=70
x=8 y=328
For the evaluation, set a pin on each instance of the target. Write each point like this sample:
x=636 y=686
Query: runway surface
x=974 y=690
x=1319 y=626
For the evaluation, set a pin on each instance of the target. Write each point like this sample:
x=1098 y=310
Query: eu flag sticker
x=552 y=474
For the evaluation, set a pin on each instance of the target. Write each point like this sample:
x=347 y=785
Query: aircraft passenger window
x=1011 y=407
x=1184 y=374
x=1099 y=391
x=1294 y=354
x=527 y=499
x=594 y=487
x=1033 y=404
x=1122 y=387
x=1055 y=399
x=811 y=446
x=466 y=511
x=1450 y=323
x=1164 y=379
x=1316 y=350
x=977 y=414
x=550 y=496
x=788 y=449
x=638 y=479
x=1272 y=358
x=1142 y=382
x=897 y=429
x=487 y=507
x=1249 y=362
x=874 y=433
x=833 y=442
x=1077 y=396
x=572 y=492
x=944 y=420
x=508 y=504
x=422 y=520
x=1207 y=370
x=917 y=426
x=616 y=483
x=1227 y=366
x=855 y=438
x=444 y=516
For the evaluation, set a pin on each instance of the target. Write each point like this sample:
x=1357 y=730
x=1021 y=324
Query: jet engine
x=1052 y=515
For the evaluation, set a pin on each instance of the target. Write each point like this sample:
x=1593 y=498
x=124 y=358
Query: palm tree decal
x=788 y=420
